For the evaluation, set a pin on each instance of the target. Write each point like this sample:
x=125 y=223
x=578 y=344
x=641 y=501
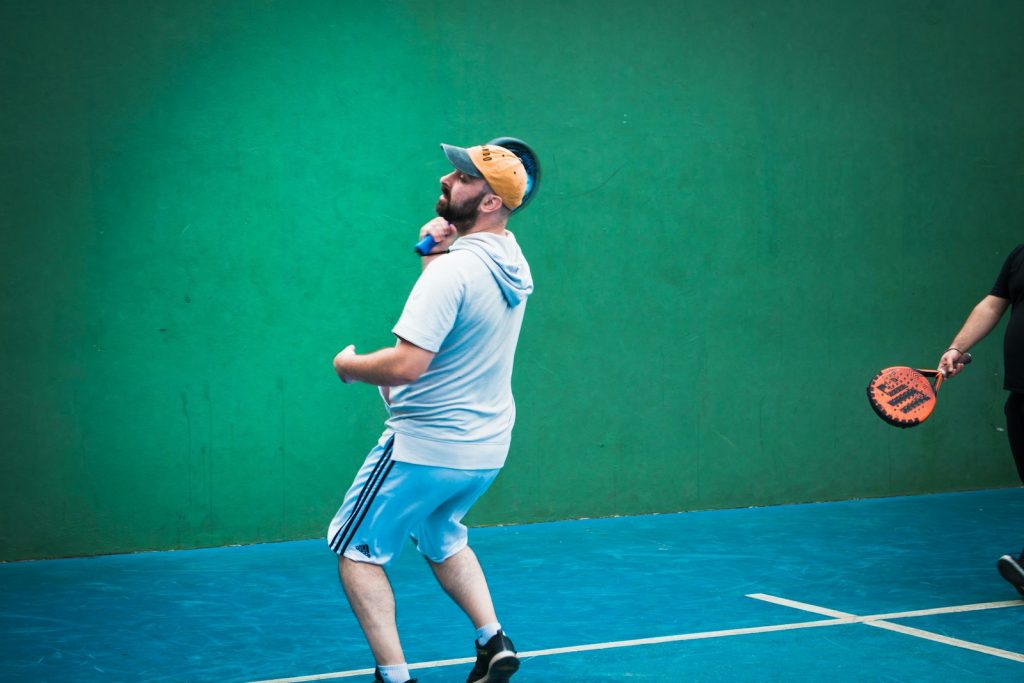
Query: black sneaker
x=495 y=662
x=377 y=678
x=1012 y=569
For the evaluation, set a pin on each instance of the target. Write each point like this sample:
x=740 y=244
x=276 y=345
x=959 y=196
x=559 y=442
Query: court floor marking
x=879 y=621
x=836 y=618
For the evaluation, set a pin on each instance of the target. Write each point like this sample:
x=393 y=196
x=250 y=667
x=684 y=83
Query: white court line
x=587 y=648
x=879 y=621
x=836 y=619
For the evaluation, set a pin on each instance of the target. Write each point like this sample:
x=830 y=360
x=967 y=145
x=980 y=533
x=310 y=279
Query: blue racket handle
x=425 y=245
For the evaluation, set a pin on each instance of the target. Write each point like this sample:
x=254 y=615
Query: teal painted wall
x=748 y=209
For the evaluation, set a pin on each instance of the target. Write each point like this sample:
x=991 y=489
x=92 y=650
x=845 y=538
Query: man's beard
x=461 y=215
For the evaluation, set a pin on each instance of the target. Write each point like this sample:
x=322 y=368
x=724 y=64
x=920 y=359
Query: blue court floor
x=897 y=589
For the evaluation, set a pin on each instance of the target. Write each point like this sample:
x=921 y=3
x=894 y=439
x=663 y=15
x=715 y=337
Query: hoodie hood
x=503 y=257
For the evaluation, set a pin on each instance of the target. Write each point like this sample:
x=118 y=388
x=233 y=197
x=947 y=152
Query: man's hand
x=339 y=363
x=952 y=362
x=442 y=231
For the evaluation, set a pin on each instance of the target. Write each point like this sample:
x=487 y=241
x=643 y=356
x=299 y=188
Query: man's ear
x=491 y=203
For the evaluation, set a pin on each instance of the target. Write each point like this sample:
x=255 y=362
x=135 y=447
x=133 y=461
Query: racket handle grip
x=425 y=245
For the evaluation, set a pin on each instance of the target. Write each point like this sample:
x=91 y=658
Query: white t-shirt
x=467 y=307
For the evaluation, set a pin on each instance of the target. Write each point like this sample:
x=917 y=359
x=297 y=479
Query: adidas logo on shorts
x=364 y=549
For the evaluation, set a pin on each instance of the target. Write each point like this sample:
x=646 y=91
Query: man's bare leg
x=463 y=580
x=373 y=602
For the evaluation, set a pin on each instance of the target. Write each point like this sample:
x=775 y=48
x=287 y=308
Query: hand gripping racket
x=903 y=396
x=530 y=163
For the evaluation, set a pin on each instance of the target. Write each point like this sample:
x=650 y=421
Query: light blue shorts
x=391 y=500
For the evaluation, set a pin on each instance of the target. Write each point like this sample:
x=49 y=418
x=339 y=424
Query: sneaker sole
x=501 y=669
x=1012 y=572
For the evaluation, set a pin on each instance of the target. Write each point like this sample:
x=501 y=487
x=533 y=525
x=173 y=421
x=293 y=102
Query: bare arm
x=400 y=364
x=980 y=322
x=405 y=362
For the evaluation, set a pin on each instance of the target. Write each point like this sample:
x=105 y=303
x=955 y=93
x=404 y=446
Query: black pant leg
x=1014 y=410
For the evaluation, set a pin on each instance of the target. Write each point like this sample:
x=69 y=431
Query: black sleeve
x=1002 y=286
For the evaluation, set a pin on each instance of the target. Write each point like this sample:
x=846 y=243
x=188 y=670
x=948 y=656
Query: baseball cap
x=502 y=169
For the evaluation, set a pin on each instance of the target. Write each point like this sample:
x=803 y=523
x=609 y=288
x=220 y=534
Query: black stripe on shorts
x=366 y=508
x=378 y=470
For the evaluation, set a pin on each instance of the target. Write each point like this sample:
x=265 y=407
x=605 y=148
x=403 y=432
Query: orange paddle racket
x=903 y=396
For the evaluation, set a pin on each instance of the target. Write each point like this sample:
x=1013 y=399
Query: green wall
x=748 y=209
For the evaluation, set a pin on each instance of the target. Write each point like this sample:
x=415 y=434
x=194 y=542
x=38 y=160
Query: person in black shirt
x=1008 y=291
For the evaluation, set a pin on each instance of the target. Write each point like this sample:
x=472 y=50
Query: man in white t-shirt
x=447 y=384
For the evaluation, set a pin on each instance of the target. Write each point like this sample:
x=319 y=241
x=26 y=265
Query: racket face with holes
x=901 y=396
x=530 y=163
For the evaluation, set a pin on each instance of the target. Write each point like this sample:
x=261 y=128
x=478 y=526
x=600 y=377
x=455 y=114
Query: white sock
x=395 y=673
x=486 y=632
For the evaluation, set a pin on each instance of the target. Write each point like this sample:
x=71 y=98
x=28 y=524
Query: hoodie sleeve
x=432 y=306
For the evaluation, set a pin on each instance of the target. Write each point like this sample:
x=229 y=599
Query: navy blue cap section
x=459 y=158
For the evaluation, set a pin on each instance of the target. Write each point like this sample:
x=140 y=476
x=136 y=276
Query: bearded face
x=459 y=211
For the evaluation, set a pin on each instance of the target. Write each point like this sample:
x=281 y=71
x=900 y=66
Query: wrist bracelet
x=953 y=348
